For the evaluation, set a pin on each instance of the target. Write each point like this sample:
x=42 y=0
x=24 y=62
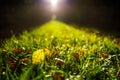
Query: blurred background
x=19 y=15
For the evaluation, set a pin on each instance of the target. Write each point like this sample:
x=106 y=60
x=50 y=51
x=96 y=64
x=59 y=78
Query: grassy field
x=57 y=51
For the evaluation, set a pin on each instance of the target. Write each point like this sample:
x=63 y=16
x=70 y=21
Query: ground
x=58 y=51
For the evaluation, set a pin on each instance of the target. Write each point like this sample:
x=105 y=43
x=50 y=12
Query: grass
x=57 y=51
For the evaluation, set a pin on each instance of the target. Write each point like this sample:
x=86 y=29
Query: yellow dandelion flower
x=38 y=57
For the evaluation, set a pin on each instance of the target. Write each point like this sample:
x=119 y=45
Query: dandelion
x=38 y=57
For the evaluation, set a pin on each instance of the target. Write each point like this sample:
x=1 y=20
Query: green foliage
x=76 y=54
